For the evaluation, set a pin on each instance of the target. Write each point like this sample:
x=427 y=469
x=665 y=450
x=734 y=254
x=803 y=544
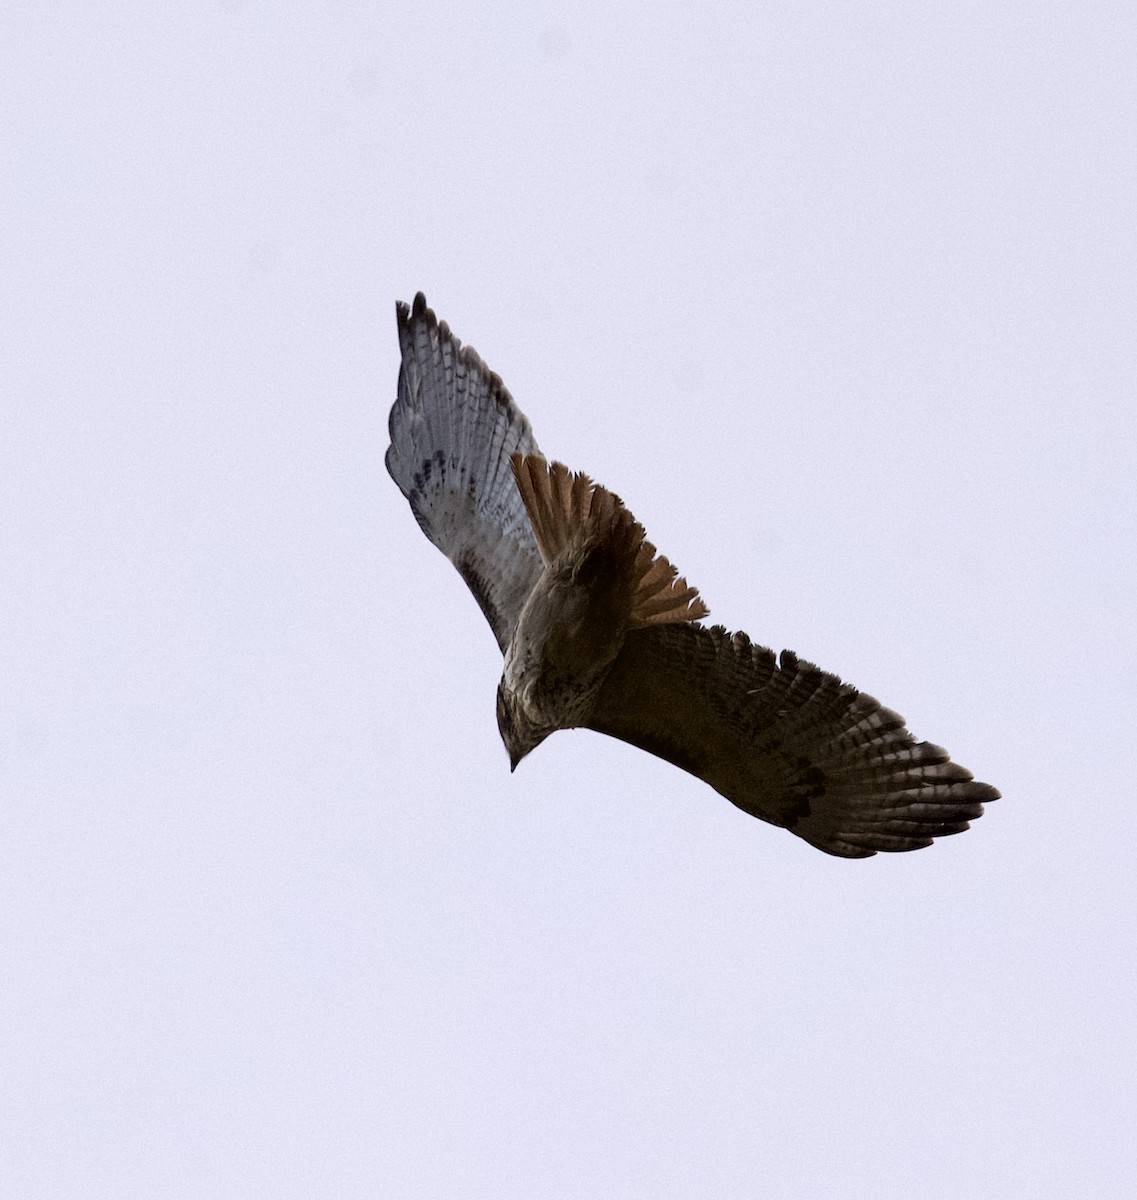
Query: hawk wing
x=784 y=741
x=453 y=428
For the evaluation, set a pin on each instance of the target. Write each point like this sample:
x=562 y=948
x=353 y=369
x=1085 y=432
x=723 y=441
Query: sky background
x=840 y=298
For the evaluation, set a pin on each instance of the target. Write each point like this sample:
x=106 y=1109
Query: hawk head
x=518 y=733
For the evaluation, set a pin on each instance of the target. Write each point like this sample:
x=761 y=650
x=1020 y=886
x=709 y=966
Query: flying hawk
x=599 y=632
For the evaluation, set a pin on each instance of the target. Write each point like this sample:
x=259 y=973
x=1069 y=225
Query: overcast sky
x=840 y=298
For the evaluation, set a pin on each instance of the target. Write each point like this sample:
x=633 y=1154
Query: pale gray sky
x=840 y=298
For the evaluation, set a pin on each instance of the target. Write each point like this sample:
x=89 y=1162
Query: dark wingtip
x=405 y=313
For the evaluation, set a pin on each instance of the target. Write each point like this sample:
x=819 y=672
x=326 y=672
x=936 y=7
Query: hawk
x=598 y=630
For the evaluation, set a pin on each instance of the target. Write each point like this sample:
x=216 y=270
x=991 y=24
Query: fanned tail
x=569 y=513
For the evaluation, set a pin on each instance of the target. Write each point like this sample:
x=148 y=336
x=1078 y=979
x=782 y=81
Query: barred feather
x=785 y=741
x=453 y=428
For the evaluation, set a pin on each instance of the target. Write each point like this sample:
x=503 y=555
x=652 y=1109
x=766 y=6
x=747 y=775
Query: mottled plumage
x=599 y=632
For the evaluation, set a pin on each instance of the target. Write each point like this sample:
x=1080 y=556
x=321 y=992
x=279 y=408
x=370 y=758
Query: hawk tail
x=569 y=513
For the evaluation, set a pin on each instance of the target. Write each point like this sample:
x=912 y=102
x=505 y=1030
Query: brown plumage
x=572 y=517
x=599 y=631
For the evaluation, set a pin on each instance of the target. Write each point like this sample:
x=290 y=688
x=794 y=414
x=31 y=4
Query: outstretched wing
x=784 y=741
x=453 y=428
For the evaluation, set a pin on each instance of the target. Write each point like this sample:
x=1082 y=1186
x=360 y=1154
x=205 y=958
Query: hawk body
x=598 y=631
x=600 y=577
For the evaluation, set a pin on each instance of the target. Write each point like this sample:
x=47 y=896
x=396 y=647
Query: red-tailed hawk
x=598 y=632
